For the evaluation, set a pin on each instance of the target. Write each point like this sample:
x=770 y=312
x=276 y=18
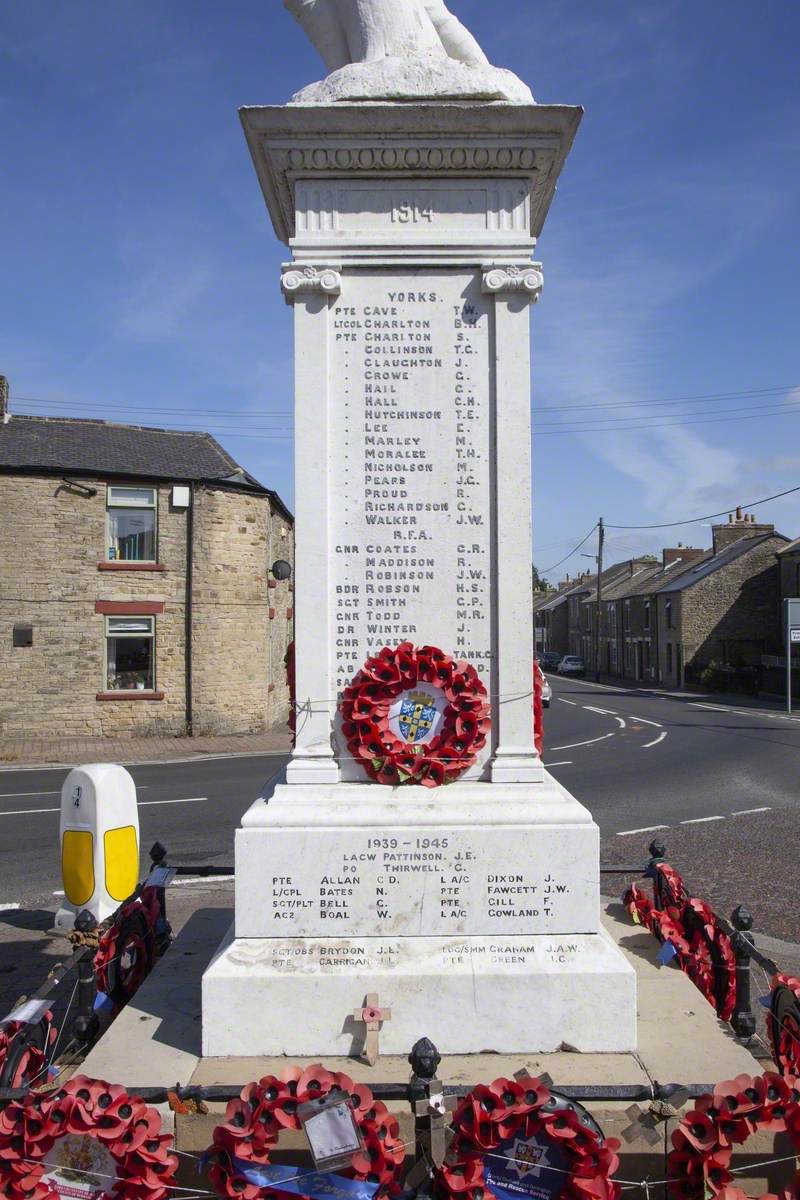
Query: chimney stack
x=679 y=553
x=4 y=413
x=739 y=526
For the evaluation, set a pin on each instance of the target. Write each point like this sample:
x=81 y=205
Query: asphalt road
x=718 y=783
x=192 y=808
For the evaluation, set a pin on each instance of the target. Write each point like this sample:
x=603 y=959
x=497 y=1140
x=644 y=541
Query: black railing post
x=658 y=852
x=743 y=1021
x=86 y=1023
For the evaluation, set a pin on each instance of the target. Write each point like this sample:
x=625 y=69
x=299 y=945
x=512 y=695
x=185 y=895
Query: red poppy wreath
x=515 y=1125
x=239 y=1158
x=127 y=949
x=23 y=1051
x=783 y=1023
x=413 y=715
x=89 y=1137
x=699 y=1164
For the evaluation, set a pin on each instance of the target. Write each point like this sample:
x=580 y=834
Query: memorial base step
x=297 y=996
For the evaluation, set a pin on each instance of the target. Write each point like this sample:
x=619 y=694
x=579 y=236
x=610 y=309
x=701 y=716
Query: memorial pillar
x=311 y=291
x=514 y=289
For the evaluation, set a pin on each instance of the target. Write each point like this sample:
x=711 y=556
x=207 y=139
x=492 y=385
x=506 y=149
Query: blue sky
x=140 y=270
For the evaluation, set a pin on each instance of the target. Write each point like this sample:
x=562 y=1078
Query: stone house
x=789 y=568
x=136 y=595
x=664 y=623
x=724 y=608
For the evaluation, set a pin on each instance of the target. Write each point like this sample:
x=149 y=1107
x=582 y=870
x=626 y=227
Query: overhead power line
x=708 y=397
x=708 y=516
x=789 y=410
x=583 y=542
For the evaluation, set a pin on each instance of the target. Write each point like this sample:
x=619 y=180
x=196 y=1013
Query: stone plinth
x=472 y=910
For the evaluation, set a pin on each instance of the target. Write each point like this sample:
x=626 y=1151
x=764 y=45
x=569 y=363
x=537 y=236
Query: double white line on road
x=22 y=812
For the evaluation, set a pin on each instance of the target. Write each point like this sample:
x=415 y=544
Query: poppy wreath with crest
x=127 y=1128
x=489 y=1116
x=367 y=701
x=700 y=1162
x=253 y=1125
x=783 y=1023
x=23 y=1051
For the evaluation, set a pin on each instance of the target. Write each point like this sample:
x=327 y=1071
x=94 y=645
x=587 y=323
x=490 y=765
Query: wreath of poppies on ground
x=253 y=1125
x=489 y=1116
x=699 y=1164
x=23 y=1051
x=783 y=1023
x=703 y=949
x=127 y=949
x=126 y=1127
x=366 y=703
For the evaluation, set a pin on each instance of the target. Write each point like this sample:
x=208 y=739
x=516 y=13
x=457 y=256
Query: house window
x=647 y=614
x=130 y=654
x=668 y=613
x=669 y=658
x=131 y=533
x=626 y=615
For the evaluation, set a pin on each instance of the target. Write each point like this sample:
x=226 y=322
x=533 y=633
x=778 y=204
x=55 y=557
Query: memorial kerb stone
x=412 y=227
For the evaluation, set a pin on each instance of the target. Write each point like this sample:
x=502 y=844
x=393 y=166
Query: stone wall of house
x=789 y=565
x=734 y=612
x=669 y=634
x=242 y=617
x=54 y=568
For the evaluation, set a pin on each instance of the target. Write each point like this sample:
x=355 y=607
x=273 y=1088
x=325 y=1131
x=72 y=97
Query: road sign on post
x=791 y=624
x=99 y=841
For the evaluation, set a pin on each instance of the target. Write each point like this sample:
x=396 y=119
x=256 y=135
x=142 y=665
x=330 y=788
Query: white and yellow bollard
x=99 y=839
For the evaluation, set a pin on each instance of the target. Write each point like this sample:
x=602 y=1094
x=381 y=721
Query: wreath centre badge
x=416 y=715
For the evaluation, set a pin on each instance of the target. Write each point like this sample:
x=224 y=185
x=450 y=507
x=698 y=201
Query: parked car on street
x=549 y=660
x=571 y=664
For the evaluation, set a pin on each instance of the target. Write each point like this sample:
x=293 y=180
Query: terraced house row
x=691 y=616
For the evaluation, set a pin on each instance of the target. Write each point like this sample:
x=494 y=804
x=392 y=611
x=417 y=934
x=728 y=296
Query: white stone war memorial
x=411 y=185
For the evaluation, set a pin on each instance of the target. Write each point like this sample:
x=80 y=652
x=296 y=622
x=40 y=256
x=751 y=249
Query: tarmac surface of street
x=717 y=782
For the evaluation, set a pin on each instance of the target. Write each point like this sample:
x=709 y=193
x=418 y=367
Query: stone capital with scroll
x=398 y=49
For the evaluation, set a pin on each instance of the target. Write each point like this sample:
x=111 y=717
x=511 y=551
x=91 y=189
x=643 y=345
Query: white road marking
x=191 y=800
x=645 y=721
x=711 y=707
x=701 y=820
x=25 y=812
x=15 y=795
x=655 y=742
x=142 y=787
x=646 y=829
x=744 y=811
x=574 y=703
x=22 y=812
x=567 y=762
x=8 y=907
x=606 y=712
x=591 y=742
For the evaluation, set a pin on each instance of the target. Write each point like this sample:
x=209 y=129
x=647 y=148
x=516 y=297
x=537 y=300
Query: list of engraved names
x=411 y=462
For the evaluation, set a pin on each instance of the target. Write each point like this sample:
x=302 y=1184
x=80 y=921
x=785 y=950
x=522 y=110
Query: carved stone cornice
x=326 y=143
x=296 y=280
x=527 y=279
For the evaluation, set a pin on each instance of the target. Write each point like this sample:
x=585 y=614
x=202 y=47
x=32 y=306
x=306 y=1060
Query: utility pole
x=601 y=537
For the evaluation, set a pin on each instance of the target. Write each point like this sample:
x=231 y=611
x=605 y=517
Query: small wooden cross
x=373 y=1017
x=434 y=1133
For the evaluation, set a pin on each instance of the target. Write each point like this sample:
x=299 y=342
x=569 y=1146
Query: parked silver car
x=571 y=664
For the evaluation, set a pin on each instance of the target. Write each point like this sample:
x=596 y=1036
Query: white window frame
x=109 y=631
x=126 y=501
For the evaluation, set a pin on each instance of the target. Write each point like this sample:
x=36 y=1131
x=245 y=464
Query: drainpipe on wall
x=189 y=716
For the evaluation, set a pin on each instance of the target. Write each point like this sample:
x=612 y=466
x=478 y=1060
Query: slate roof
x=706 y=566
x=793 y=547
x=70 y=445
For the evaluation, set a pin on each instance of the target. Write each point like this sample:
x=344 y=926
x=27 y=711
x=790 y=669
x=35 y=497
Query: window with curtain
x=130 y=657
x=131 y=524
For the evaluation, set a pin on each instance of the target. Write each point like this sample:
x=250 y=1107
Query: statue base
x=420 y=78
